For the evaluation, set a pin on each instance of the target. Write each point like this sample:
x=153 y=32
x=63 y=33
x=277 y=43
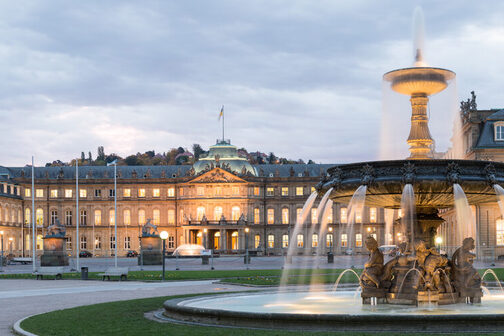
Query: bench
x=121 y=272
x=55 y=271
x=23 y=261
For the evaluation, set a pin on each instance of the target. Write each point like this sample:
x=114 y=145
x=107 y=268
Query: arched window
x=27 y=216
x=257 y=216
x=285 y=216
x=171 y=216
x=200 y=212
x=54 y=216
x=127 y=217
x=217 y=213
x=235 y=213
x=141 y=217
x=156 y=216
x=97 y=217
x=234 y=240
x=40 y=217
x=83 y=217
x=40 y=242
x=112 y=217
x=216 y=240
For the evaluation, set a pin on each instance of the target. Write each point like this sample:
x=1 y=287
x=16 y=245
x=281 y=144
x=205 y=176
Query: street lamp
x=439 y=241
x=205 y=237
x=2 y=253
x=332 y=239
x=164 y=236
x=247 y=260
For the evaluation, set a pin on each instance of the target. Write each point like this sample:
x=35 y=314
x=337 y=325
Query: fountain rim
x=393 y=74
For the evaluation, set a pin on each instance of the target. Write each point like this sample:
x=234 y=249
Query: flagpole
x=77 y=208
x=222 y=123
x=115 y=211
x=34 y=247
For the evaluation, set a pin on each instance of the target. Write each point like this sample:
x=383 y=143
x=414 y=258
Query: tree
x=90 y=158
x=101 y=154
x=131 y=160
x=310 y=162
x=272 y=159
x=197 y=150
x=82 y=157
x=150 y=153
x=180 y=150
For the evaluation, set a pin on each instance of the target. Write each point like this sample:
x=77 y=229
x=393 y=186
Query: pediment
x=217 y=175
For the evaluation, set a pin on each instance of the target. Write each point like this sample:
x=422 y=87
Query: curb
x=20 y=331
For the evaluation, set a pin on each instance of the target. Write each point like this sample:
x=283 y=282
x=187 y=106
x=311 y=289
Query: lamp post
x=205 y=238
x=164 y=236
x=438 y=241
x=331 y=248
x=2 y=252
x=115 y=209
x=247 y=260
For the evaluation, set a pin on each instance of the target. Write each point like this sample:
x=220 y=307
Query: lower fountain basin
x=342 y=311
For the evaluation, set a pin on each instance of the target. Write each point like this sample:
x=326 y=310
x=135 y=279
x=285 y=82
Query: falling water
x=491 y=271
x=466 y=224
x=356 y=205
x=499 y=191
x=389 y=222
x=408 y=212
x=323 y=220
x=336 y=283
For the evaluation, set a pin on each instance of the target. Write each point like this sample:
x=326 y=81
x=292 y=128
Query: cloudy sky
x=300 y=78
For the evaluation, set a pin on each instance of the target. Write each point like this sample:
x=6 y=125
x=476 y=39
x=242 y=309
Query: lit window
x=330 y=215
x=200 y=212
x=27 y=193
x=68 y=217
x=171 y=192
x=358 y=216
x=257 y=241
x=285 y=241
x=235 y=191
x=314 y=241
x=235 y=213
x=156 y=216
x=344 y=240
x=68 y=193
x=217 y=213
x=329 y=240
x=314 y=217
x=200 y=191
x=300 y=240
x=372 y=215
x=298 y=214
x=97 y=217
x=97 y=243
x=499 y=231
x=83 y=193
x=127 y=217
x=257 y=218
x=127 y=192
x=53 y=193
x=312 y=190
x=499 y=132
x=271 y=241
x=256 y=191
x=141 y=217
x=271 y=216
x=27 y=216
x=285 y=216
x=299 y=191
x=111 y=217
x=39 y=217
x=156 y=192
x=285 y=191
x=39 y=193
x=141 y=192
x=171 y=216
x=270 y=191
x=358 y=240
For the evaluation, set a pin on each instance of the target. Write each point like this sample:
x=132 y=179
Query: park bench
x=55 y=271
x=23 y=261
x=121 y=272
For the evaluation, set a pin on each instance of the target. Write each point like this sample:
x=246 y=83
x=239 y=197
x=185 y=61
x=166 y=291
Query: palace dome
x=224 y=155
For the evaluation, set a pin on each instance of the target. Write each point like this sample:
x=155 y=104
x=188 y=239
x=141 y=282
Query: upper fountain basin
x=419 y=80
x=432 y=181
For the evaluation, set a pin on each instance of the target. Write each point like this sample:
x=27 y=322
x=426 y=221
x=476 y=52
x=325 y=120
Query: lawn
x=127 y=318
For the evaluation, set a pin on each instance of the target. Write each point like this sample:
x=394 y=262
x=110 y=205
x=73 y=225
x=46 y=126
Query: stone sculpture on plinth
x=466 y=278
x=150 y=245
x=54 y=243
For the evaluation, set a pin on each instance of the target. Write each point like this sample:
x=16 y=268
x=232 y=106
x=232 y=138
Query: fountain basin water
x=340 y=311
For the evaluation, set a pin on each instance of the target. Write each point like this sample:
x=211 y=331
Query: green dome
x=223 y=154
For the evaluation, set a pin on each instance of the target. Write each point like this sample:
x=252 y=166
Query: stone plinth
x=151 y=250
x=54 y=253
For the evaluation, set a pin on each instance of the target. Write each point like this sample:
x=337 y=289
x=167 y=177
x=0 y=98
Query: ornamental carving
x=408 y=173
x=217 y=176
x=453 y=172
x=491 y=174
x=367 y=175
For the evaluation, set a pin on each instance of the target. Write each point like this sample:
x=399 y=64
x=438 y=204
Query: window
x=399 y=213
x=499 y=132
x=257 y=191
x=68 y=193
x=171 y=192
x=257 y=216
x=218 y=191
x=112 y=242
x=68 y=243
x=141 y=192
x=372 y=215
x=83 y=193
x=285 y=191
x=127 y=243
x=285 y=216
x=299 y=191
x=27 y=216
x=141 y=217
x=112 y=217
x=98 y=243
x=54 y=216
x=344 y=240
x=156 y=216
x=97 y=217
x=271 y=241
x=97 y=193
x=271 y=216
x=39 y=193
x=358 y=240
x=171 y=216
x=27 y=192
x=171 y=242
x=111 y=192
x=39 y=217
x=235 y=191
x=68 y=217
x=270 y=191
x=83 y=217
x=53 y=193
x=499 y=231
x=329 y=240
x=235 y=213
x=343 y=215
x=83 y=243
x=300 y=240
x=298 y=214
x=181 y=191
x=127 y=192
x=285 y=241
x=314 y=217
x=200 y=212
x=330 y=214
x=217 y=213
x=314 y=240
x=200 y=191
x=358 y=216
x=127 y=217
x=312 y=190
x=156 y=192
x=257 y=241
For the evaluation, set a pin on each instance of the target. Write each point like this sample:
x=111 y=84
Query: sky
x=302 y=79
